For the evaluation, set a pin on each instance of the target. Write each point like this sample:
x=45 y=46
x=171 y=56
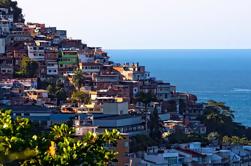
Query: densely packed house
x=50 y=78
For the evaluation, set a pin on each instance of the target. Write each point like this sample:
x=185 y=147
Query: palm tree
x=145 y=98
x=78 y=79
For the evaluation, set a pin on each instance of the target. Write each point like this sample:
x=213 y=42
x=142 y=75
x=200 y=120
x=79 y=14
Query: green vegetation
x=20 y=144
x=180 y=137
x=14 y=9
x=80 y=97
x=219 y=118
x=77 y=79
x=146 y=99
x=234 y=140
x=221 y=128
x=56 y=90
x=155 y=127
x=141 y=142
x=28 y=68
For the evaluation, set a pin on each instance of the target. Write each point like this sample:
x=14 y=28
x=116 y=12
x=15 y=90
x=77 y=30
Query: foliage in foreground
x=20 y=145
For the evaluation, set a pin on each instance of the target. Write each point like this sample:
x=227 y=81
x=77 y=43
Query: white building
x=115 y=108
x=36 y=53
x=156 y=157
x=52 y=68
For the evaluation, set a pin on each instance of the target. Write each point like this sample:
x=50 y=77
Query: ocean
x=221 y=75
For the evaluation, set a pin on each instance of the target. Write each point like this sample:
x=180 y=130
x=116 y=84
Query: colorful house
x=68 y=61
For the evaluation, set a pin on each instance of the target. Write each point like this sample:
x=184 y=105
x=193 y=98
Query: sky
x=148 y=24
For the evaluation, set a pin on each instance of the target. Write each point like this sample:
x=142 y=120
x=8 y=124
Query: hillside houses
x=50 y=78
x=57 y=57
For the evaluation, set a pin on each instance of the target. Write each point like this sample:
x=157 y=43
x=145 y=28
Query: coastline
x=167 y=65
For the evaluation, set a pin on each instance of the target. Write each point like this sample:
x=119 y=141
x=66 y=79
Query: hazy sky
x=148 y=23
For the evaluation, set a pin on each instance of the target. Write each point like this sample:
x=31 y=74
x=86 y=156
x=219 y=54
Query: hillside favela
x=63 y=102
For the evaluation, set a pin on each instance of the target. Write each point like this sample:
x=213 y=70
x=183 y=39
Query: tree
x=51 y=90
x=155 y=126
x=80 y=97
x=225 y=110
x=28 y=68
x=32 y=68
x=14 y=9
x=56 y=89
x=61 y=94
x=19 y=145
x=219 y=118
x=145 y=98
x=213 y=137
x=141 y=142
x=235 y=140
x=78 y=79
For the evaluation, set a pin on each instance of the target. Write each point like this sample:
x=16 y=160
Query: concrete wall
x=115 y=108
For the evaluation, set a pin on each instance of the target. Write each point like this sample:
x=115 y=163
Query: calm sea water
x=222 y=75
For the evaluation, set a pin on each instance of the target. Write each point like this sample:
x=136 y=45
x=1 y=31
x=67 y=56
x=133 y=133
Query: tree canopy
x=28 y=68
x=145 y=98
x=77 y=79
x=13 y=9
x=80 y=97
x=219 y=118
x=155 y=126
x=21 y=145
